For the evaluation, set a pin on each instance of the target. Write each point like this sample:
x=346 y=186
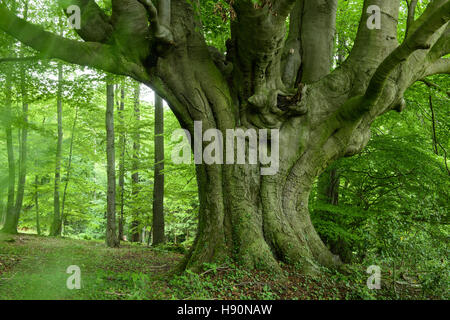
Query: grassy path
x=34 y=267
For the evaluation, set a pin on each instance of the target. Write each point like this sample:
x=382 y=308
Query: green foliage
x=216 y=18
x=393 y=198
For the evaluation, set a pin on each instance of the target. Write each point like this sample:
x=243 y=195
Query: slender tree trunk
x=122 y=147
x=149 y=240
x=328 y=192
x=135 y=168
x=23 y=139
x=55 y=229
x=158 y=188
x=36 y=204
x=23 y=148
x=433 y=124
x=10 y=225
x=2 y=208
x=143 y=236
x=328 y=186
x=111 y=236
x=69 y=170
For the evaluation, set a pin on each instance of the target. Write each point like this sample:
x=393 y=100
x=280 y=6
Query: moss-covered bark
x=256 y=221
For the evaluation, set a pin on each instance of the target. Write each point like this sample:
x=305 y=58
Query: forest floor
x=33 y=267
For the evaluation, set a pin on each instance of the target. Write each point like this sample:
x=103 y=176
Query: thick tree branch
x=356 y=107
x=423 y=63
x=160 y=19
x=431 y=7
x=131 y=34
x=292 y=55
x=164 y=11
x=49 y=45
x=95 y=24
x=310 y=41
x=441 y=66
x=442 y=46
x=258 y=37
x=318 y=28
x=372 y=46
x=420 y=39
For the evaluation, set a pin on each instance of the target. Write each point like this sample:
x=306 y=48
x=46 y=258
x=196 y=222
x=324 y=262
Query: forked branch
x=420 y=39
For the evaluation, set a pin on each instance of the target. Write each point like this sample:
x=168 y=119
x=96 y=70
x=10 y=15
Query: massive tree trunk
x=263 y=82
x=158 y=185
x=56 y=226
x=111 y=237
x=257 y=220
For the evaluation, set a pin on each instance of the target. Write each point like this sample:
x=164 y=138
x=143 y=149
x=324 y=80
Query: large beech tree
x=265 y=80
